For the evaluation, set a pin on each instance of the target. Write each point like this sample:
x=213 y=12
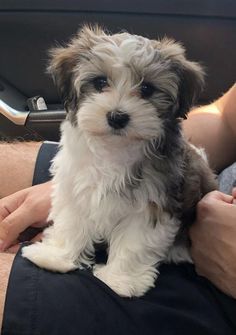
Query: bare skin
x=214 y=128
x=214 y=240
x=6 y=261
x=28 y=207
x=17 y=166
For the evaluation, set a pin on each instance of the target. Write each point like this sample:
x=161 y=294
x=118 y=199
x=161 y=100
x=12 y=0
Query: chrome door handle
x=16 y=116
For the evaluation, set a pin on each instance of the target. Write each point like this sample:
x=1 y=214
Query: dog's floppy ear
x=62 y=65
x=65 y=60
x=190 y=74
x=190 y=87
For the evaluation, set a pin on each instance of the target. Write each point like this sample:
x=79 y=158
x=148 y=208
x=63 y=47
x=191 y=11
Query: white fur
x=94 y=165
x=83 y=213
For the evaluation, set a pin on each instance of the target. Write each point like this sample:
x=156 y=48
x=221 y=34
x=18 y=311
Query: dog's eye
x=100 y=83
x=147 y=90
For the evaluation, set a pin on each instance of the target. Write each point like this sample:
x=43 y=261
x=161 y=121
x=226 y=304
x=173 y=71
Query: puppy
x=124 y=173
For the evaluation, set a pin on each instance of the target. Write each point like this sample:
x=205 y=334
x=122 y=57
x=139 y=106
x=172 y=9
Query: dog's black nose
x=117 y=119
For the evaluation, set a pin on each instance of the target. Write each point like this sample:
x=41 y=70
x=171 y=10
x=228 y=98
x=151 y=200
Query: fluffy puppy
x=124 y=173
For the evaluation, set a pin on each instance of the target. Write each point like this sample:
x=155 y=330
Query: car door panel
x=29 y=28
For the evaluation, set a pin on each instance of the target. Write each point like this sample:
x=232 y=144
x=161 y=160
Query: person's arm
x=17 y=161
x=21 y=205
x=213 y=127
x=213 y=235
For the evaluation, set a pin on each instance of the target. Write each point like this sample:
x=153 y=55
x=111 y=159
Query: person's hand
x=213 y=237
x=234 y=195
x=29 y=207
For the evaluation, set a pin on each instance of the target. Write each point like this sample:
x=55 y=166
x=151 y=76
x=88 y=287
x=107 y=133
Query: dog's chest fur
x=107 y=185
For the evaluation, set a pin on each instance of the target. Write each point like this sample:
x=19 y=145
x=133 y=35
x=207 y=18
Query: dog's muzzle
x=118 y=119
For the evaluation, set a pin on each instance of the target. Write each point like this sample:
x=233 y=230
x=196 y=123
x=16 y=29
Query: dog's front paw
x=124 y=285
x=48 y=257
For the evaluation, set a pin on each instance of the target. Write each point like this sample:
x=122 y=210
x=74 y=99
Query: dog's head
x=124 y=84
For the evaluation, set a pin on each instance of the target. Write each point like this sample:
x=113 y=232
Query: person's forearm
x=17 y=161
x=214 y=128
x=6 y=261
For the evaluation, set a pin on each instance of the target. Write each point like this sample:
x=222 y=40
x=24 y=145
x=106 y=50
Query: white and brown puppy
x=124 y=173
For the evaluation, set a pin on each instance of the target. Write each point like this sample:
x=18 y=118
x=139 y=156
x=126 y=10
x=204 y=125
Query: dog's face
x=124 y=85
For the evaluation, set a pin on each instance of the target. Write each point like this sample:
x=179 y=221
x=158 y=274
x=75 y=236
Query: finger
x=10 y=203
x=225 y=197
x=217 y=195
x=4 y=212
x=28 y=234
x=41 y=224
x=234 y=194
x=37 y=238
x=14 y=248
x=13 y=225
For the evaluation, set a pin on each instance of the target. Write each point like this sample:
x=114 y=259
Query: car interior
x=30 y=108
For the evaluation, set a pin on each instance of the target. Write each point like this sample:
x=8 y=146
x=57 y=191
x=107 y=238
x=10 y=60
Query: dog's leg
x=136 y=248
x=66 y=245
